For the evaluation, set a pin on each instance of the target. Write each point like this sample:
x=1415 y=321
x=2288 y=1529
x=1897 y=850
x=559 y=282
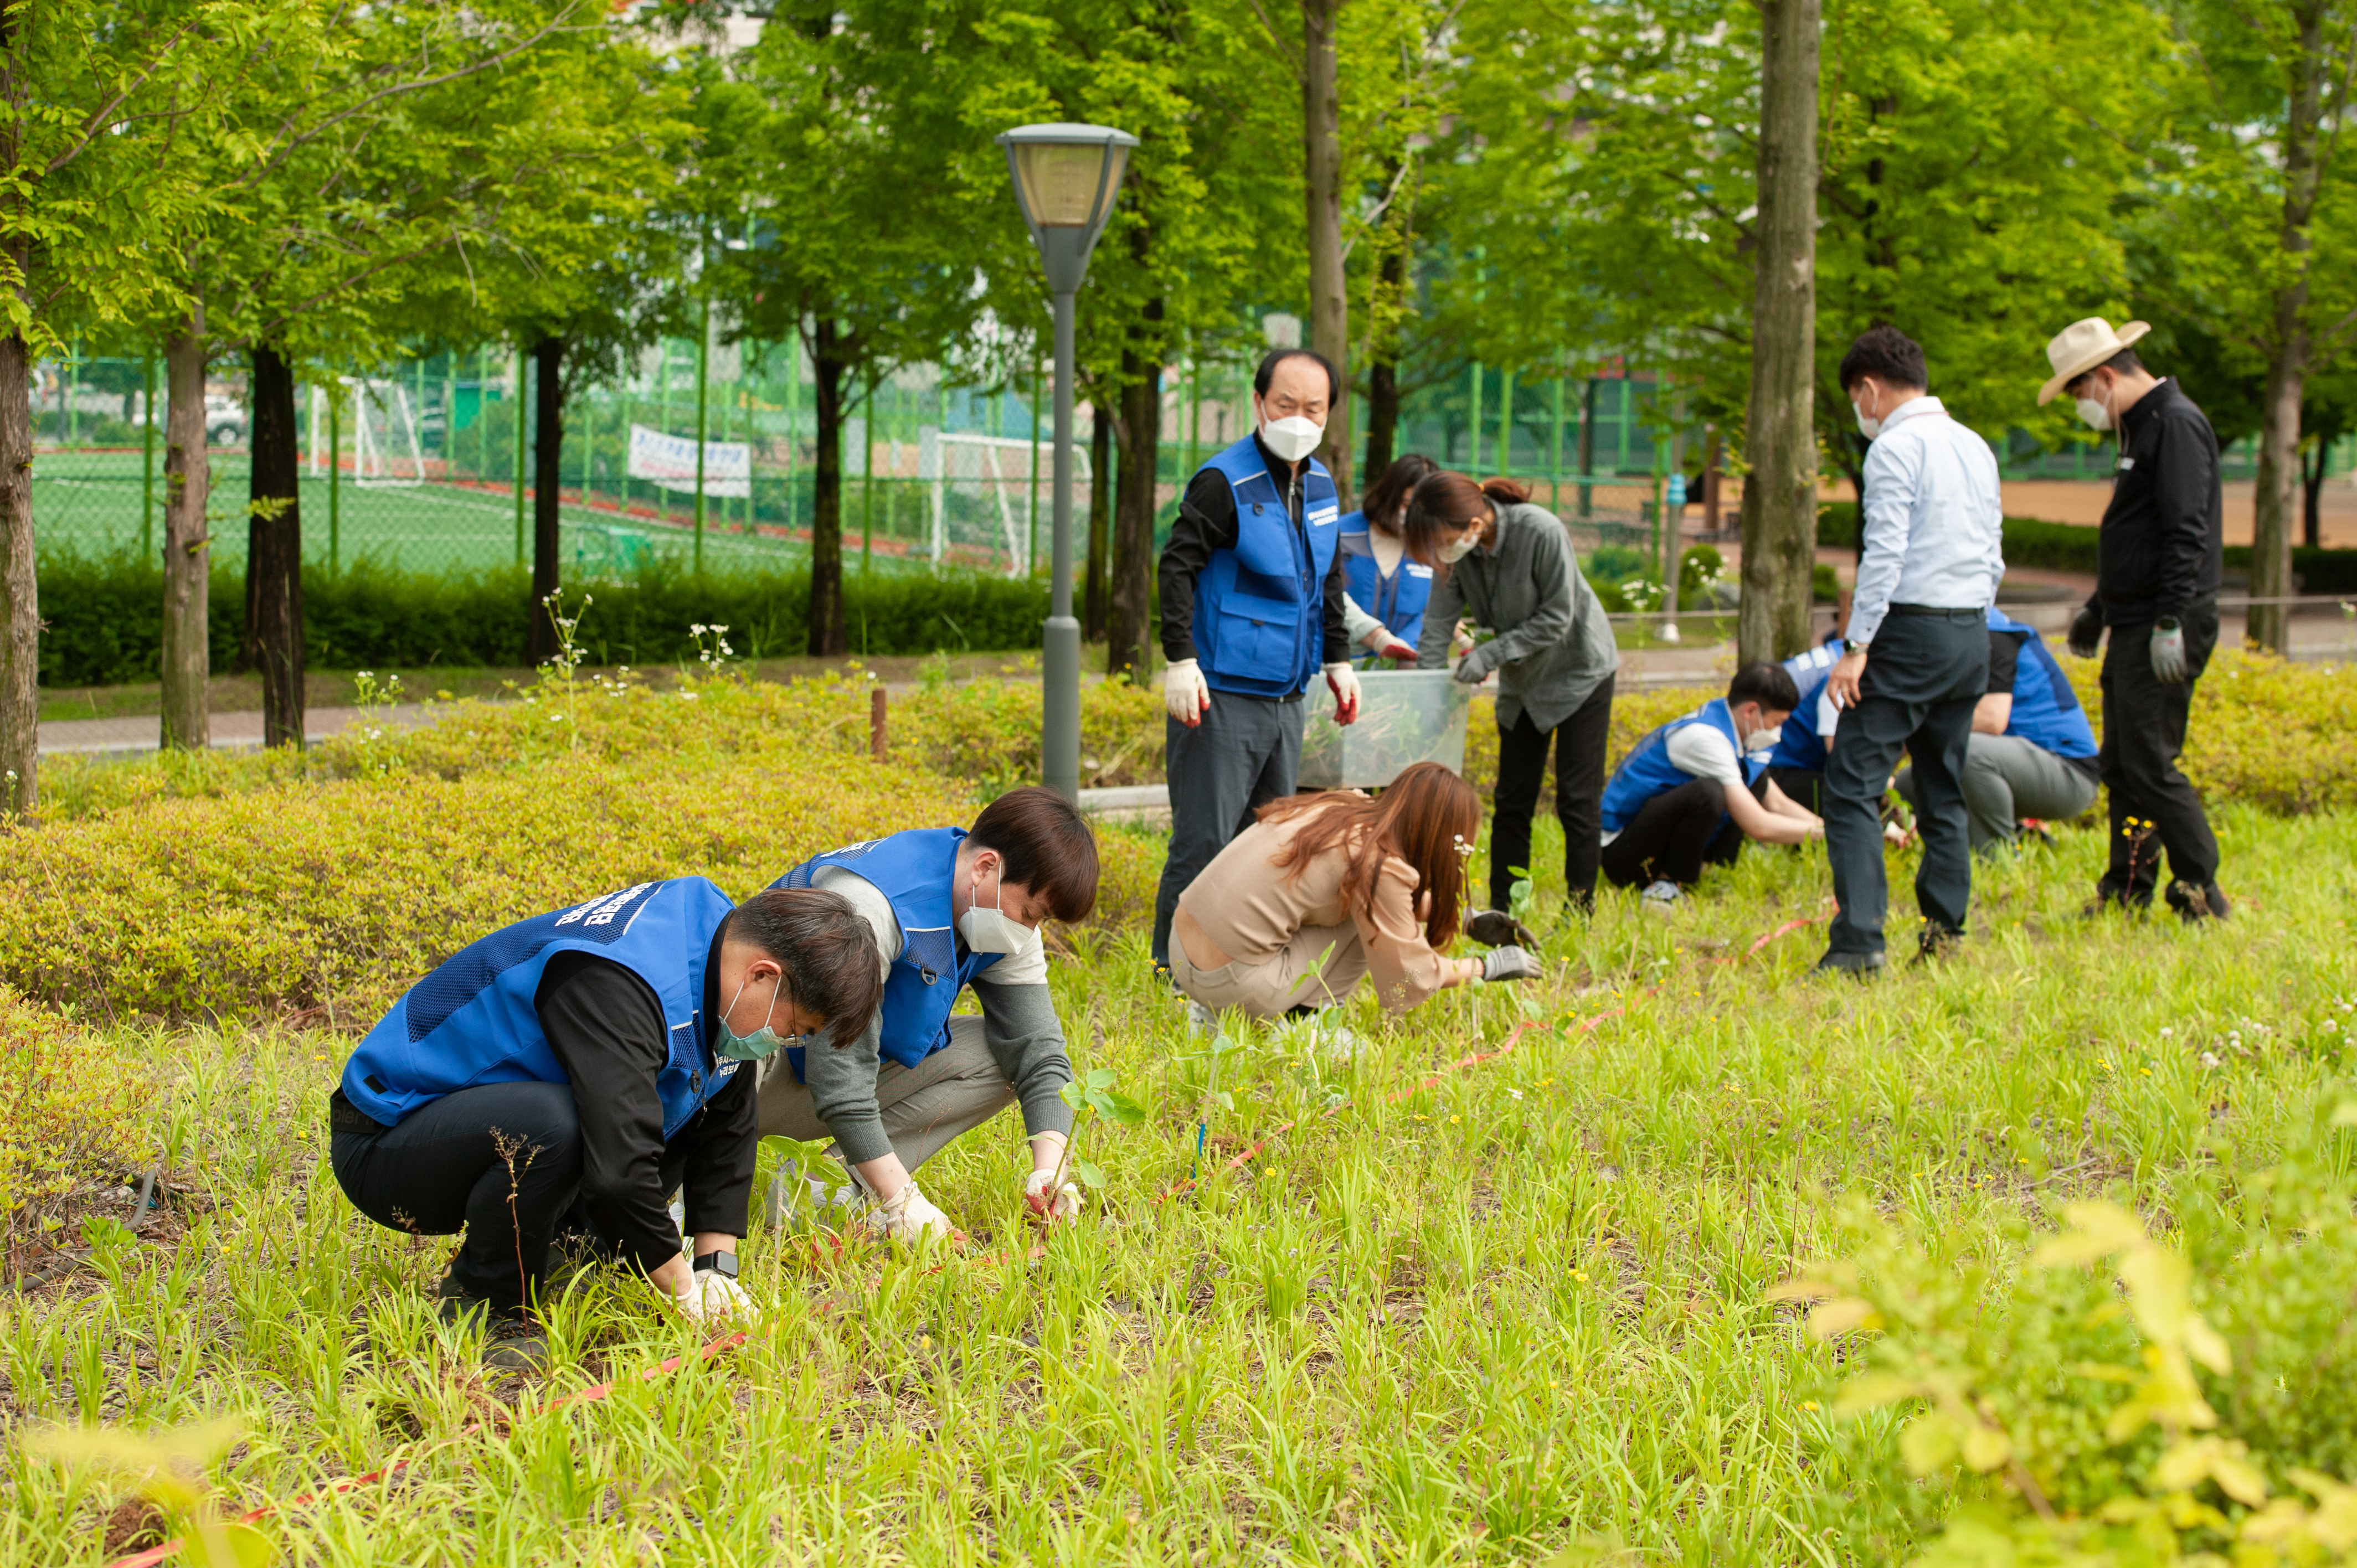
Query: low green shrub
x=2267 y=731
x=2071 y=547
x=71 y=1107
x=103 y=615
x=2148 y=1399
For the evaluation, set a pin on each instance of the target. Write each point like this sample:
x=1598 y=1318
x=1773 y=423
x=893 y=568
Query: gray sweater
x=1554 y=646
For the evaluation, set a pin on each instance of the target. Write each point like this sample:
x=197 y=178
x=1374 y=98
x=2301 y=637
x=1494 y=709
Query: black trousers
x=1674 y=835
x=1923 y=678
x=1580 y=745
x=501 y=1162
x=2143 y=730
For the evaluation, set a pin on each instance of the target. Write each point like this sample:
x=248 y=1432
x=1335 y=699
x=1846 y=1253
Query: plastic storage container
x=1404 y=717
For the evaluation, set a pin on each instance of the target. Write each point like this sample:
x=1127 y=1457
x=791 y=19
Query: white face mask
x=1458 y=549
x=1293 y=437
x=2098 y=415
x=1762 y=739
x=991 y=930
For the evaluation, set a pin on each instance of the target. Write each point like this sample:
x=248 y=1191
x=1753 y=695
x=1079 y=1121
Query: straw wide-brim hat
x=2081 y=346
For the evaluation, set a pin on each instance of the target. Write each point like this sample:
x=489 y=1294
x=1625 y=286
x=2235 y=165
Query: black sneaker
x=1856 y=965
x=2194 y=904
x=512 y=1342
x=1496 y=928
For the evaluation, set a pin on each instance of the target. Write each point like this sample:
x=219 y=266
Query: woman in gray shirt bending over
x=1508 y=566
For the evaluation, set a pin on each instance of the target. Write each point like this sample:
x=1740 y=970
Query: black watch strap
x=723 y=1263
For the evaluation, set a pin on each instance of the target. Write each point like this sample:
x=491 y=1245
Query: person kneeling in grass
x=1324 y=890
x=944 y=909
x=566 y=1073
x=1697 y=787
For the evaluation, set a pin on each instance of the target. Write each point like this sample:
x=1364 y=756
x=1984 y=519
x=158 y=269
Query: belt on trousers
x=1941 y=610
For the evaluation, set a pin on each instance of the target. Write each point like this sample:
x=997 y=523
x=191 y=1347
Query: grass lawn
x=1418 y=1308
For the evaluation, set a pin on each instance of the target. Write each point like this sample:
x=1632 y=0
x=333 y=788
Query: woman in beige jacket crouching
x=1326 y=890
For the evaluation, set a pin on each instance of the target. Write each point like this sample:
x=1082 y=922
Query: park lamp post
x=1066 y=178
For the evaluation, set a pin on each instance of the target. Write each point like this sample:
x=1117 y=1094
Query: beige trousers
x=950 y=1092
x=1322 y=964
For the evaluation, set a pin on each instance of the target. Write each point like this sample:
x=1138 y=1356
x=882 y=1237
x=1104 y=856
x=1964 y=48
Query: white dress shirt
x=1930 y=519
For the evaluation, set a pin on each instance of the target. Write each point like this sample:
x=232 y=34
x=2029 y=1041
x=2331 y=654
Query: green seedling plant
x=1092 y=1096
x=557 y=681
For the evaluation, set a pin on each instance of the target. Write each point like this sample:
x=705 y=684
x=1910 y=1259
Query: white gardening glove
x=1510 y=963
x=1463 y=639
x=712 y=1299
x=1063 y=1204
x=909 y=1216
x=1388 y=646
x=1345 y=683
x=1184 y=693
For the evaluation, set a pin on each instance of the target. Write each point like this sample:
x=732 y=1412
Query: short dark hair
x=1388 y=496
x=1769 y=686
x=826 y=948
x=1047 y=848
x=1276 y=357
x=2125 y=362
x=1887 y=354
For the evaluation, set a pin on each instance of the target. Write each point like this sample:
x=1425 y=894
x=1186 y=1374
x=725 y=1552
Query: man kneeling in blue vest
x=1694 y=789
x=569 y=1072
x=947 y=909
x=2031 y=752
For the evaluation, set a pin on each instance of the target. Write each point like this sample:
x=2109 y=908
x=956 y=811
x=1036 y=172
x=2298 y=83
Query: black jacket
x=1207 y=522
x=2161 y=552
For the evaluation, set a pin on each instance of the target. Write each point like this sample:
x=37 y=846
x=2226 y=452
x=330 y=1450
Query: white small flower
x=2207 y=1060
x=1514 y=1093
x=2166 y=1033
x=2330 y=1024
x=687 y=696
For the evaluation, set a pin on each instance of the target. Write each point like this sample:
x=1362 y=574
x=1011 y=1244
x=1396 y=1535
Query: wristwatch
x=1852 y=645
x=721 y=1263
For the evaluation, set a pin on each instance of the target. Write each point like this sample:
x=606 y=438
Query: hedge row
x=105 y=616
x=2070 y=547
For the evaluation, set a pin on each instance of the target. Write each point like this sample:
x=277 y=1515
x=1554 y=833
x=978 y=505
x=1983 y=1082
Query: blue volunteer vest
x=1799 y=744
x=1648 y=772
x=2046 y=711
x=472 y=1020
x=1260 y=608
x=1397 y=600
x=915 y=871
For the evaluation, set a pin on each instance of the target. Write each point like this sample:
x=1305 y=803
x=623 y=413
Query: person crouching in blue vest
x=1694 y=789
x=1252 y=590
x=570 y=1071
x=2031 y=752
x=1383 y=610
x=943 y=909
x=1797 y=765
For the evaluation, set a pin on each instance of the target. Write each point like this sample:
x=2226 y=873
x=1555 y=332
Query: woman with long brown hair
x=1508 y=566
x=1324 y=890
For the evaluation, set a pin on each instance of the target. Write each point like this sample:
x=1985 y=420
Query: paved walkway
x=68 y=737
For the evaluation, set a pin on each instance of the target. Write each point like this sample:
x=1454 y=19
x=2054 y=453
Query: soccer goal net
x=377 y=434
x=987 y=491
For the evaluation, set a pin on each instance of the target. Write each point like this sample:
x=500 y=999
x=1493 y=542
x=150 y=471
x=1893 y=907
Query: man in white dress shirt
x=1915 y=657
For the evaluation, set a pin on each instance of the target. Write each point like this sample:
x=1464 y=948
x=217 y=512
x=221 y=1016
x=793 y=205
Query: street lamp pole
x=1066 y=178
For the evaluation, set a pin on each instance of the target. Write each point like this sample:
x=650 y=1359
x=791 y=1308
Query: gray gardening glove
x=1509 y=963
x=2169 y=652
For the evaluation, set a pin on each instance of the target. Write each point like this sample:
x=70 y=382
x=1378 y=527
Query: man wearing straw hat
x=2159 y=558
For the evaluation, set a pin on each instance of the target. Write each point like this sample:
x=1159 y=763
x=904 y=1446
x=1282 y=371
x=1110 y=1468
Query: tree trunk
x=2269 y=626
x=187 y=550
x=1129 y=624
x=1383 y=415
x=1092 y=597
x=1329 y=299
x=20 y=609
x=2311 y=479
x=1779 y=493
x=274 y=551
x=829 y=370
x=547 y=490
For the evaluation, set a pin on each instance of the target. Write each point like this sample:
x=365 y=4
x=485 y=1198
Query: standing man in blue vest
x=569 y=1072
x=1252 y=588
x=945 y=908
x=2032 y=752
x=1915 y=658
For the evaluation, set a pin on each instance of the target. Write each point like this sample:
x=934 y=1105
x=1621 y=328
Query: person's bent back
x=1326 y=890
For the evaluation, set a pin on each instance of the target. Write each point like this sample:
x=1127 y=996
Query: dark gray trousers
x=2144 y=730
x=1923 y=678
x=1245 y=753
